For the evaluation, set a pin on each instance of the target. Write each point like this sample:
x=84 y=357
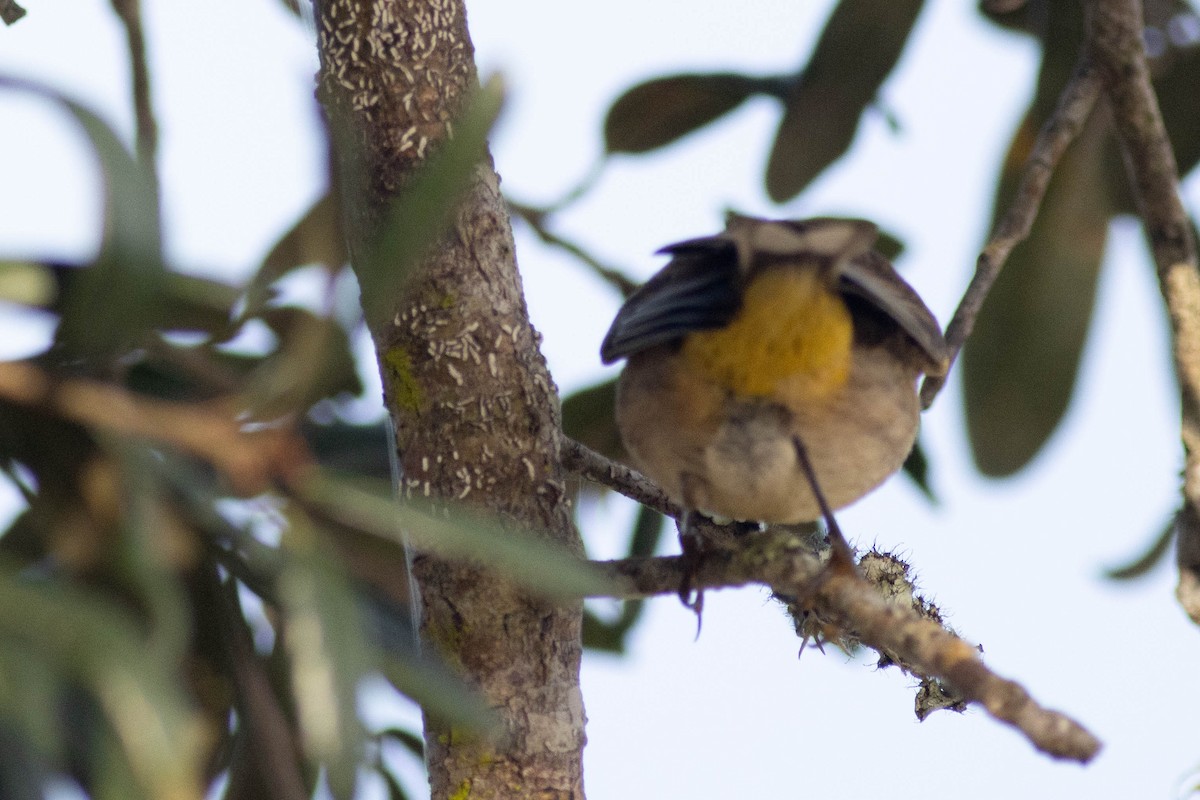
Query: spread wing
x=698 y=290
x=873 y=278
x=701 y=287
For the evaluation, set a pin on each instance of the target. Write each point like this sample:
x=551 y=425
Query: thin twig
x=1114 y=35
x=784 y=563
x=587 y=463
x=130 y=14
x=1074 y=105
x=536 y=220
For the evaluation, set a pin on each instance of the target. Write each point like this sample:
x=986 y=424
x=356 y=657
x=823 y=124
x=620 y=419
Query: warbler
x=770 y=343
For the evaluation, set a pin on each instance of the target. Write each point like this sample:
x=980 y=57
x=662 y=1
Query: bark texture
x=475 y=411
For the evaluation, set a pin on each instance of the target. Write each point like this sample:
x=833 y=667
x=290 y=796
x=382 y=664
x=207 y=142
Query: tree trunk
x=475 y=410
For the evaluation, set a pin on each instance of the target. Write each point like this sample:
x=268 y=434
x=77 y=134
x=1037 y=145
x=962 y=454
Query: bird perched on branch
x=772 y=369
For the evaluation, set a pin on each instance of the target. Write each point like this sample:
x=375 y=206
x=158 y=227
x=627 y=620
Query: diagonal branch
x=536 y=220
x=587 y=463
x=1114 y=32
x=1074 y=105
x=785 y=562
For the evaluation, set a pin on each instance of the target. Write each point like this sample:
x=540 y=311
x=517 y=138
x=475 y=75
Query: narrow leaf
x=660 y=111
x=328 y=652
x=316 y=238
x=394 y=787
x=1020 y=364
x=916 y=467
x=441 y=693
x=111 y=304
x=538 y=563
x=858 y=49
x=410 y=741
x=101 y=648
x=1147 y=560
x=589 y=417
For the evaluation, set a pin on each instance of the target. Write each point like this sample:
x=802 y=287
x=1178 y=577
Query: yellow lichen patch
x=791 y=326
x=406 y=392
x=462 y=792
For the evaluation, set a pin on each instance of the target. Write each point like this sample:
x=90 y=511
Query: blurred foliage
x=176 y=609
x=160 y=630
x=823 y=102
x=1021 y=362
x=1153 y=555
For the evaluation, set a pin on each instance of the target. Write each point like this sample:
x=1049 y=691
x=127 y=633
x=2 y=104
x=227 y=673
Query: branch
x=783 y=562
x=536 y=220
x=250 y=460
x=1114 y=34
x=1074 y=105
x=587 y=463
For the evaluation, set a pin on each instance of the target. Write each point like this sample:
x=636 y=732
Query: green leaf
x=1013 y=15
x=440 y=692
x=101 y=648
x=538 y=563
x=343 y=447
x=659 y=111
x=1152 y=556
x=610 y=636
x=317 y=238
x=589 y=417
x=27 y=283
x=10 y=11
x=1020 y=364
x=419 y=216
x=31 y=693
x=395 y=789
x=313 y=361
x=327 y=649
x=192 y=303
x=889 y=246
x=858 y=48
x=916 y=467
x=410 y=741
x=112 y=304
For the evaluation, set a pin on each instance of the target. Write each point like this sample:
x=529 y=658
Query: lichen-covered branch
x=1114 y=40
x=1074 y=105
x=841 y=599
x=784 y=563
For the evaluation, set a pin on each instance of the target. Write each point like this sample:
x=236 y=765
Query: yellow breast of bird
x=792 y=335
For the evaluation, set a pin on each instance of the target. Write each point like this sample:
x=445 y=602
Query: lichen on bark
x=475 y=410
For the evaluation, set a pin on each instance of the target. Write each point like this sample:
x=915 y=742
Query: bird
x=771 y=369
